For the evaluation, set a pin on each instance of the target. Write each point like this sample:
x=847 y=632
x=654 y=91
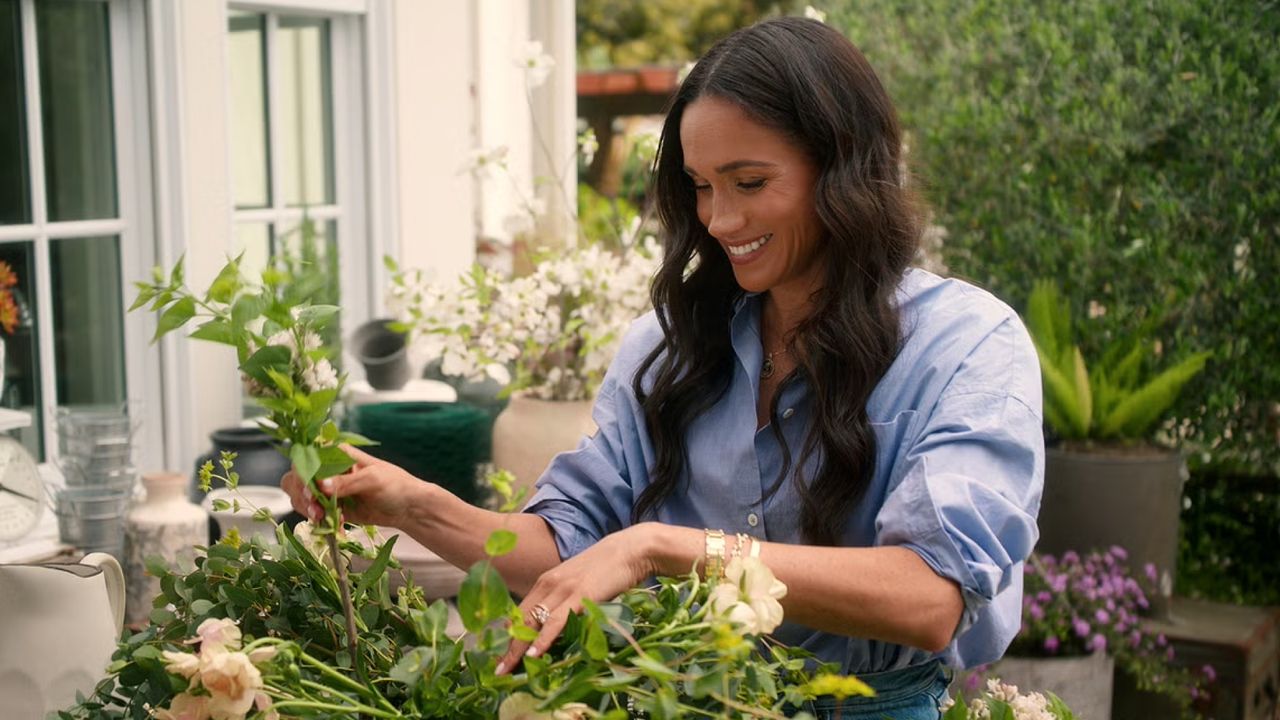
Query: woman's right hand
x=381 y=493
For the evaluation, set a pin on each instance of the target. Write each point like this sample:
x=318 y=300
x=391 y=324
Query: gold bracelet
x=715 y=555
x=740 y=546
x=755 y=548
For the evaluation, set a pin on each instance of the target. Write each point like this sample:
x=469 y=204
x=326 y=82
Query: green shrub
x=1127 y=149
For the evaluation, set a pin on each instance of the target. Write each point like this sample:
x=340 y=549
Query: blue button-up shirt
x=958 y=476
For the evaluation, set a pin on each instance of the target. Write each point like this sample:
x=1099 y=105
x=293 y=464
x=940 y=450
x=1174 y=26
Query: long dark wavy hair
x=807 y=81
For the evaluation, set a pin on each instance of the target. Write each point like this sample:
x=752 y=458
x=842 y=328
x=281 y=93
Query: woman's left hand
x=600 y=573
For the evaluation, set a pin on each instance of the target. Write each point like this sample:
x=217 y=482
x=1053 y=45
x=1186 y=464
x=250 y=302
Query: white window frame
x=349 y=142
x=126 y=22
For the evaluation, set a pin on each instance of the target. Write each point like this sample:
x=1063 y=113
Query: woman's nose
x=726 y=219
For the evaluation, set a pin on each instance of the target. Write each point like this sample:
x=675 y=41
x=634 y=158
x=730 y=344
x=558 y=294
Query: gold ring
x=541 y=614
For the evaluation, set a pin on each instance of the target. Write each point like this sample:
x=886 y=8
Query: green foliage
x=1125 y=148
x=656 y=648
x=624 y=33
x=1230 y=527
x=1116 y=402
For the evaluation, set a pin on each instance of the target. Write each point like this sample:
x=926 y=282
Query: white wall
x=447 y=84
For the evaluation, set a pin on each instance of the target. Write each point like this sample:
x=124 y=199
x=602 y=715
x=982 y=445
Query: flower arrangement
x=551 y=333
x=1001 y=701
x=256 y=631
x=8 y=305
x=1077 y=605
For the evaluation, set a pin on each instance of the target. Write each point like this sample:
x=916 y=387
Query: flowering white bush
x=224 y=682
x=1004 y=701
x=551 y=334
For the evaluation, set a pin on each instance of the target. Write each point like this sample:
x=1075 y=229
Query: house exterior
x=137 y=132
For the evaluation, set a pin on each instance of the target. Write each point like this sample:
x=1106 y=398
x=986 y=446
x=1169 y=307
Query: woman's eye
x=700 y=188
x=751 y=184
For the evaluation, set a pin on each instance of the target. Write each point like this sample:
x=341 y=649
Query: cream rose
x=748 y=596
x=233 y=682
x=216 y=635
x=185 y=707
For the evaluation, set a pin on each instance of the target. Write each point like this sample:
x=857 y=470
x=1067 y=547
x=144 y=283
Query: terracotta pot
x=530 y=432
x=1098 y=497
x=1084 y=682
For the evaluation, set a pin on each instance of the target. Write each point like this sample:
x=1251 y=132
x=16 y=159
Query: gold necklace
x=766 y=367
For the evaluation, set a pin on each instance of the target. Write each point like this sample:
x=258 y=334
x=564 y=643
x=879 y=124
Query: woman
x=873 y=433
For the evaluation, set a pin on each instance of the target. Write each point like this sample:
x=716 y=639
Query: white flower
x=748 y=596
x=588 y=145
x=536 y=64
x=481 y=162
x=305 y=533
x=814 y=14
x=319 y=375
x=233 y=684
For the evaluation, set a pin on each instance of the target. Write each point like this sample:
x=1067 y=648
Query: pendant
x=766 y=368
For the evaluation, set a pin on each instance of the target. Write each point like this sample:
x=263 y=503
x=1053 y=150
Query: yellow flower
x=837 y=686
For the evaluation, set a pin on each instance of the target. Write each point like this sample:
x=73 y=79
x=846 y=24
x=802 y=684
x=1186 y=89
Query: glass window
x=88 y=321
x=74 y=47
x=15 y=199
x=306 y=118
x=249 y=146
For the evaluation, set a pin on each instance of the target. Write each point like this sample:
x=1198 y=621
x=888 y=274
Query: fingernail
x=531 y=652
x=306 y=493
x=314 y=515
x=502 y=668
x=327 y=485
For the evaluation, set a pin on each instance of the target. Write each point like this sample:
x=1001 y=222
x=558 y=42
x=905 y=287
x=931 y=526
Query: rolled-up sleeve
x=968 y=490
x=587 y=493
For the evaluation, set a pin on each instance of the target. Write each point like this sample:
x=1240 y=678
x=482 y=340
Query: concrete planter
x=1098 y=497
x=530 y=432
x=1084 y=683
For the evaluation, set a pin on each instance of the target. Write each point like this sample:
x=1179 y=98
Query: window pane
x=21 y=389
x=88 y=321
x=305 y=111
x=254 y=241
x=308 y=252
x=247 y=48
x=74 y=46
x=15 y=198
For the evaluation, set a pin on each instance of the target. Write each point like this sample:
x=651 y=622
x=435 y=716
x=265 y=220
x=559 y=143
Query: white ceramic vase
x=1083 y=682
x=166 y=525
x=530 y=432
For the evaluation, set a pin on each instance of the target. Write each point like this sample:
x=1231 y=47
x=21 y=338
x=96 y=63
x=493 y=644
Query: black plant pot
x=382 y=352
x=1132 y=497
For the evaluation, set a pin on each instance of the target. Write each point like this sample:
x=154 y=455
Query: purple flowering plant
x=1074 y=605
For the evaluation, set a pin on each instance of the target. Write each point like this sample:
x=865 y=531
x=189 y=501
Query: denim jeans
x=913 y=693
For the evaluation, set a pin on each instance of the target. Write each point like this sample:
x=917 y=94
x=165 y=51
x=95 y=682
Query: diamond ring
x=541 y=614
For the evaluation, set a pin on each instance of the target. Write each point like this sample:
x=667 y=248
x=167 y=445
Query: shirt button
x=788 y=413
x=753 y=520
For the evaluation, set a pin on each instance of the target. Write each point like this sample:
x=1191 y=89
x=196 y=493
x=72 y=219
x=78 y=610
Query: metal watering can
x=59 y=624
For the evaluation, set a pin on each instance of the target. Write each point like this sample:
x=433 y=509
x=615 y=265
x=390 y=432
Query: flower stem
x=314 y=705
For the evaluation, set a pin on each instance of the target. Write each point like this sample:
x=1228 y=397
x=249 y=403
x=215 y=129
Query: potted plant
x=1082 y=617
x=1106 y=483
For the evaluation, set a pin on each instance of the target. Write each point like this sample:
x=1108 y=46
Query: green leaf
x=246 y=308
x=225 y=286
x=145 y=293
x=1134 y=416
x=596 y=646
x=271 y=356
x=333 y=461
x=483 y=597
x=1060 y=400
x=175 y=317
x=217 y=330
x=376 y=569
x=306 y=461
x=431 y=624
x=200 y=608
x=317 y=315
x=176 y=275
x=1080 y=381
x=499 y=543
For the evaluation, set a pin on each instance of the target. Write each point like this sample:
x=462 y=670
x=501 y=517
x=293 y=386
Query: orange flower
x=8 y=311
x=8 y=278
